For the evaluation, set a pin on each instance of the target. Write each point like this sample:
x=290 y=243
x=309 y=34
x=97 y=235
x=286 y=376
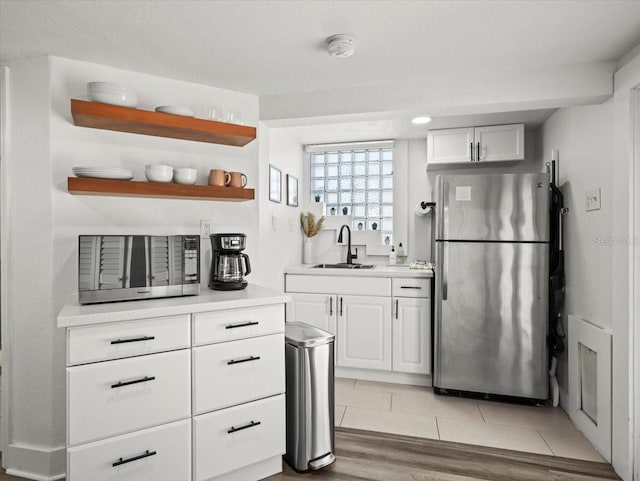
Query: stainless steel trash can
x=310 y=397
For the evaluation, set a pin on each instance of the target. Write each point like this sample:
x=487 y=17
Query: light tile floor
x=417 y=411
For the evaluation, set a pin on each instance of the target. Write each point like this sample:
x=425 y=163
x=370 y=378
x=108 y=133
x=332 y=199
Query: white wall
x=45 y=220
x=595 y=144
x=626 y=79
x=583 y=137
x=280 y=236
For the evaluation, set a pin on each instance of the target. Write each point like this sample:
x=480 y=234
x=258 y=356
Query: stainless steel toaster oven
x=122 y=268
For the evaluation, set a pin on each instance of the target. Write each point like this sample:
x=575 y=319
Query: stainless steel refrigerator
x=492 y=274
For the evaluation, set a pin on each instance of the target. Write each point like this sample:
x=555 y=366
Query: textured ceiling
x=275 y=48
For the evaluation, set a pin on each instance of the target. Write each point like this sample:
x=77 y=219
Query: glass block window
x=357 y=182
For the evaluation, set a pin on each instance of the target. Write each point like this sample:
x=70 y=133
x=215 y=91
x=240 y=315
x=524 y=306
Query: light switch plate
x=592 y=199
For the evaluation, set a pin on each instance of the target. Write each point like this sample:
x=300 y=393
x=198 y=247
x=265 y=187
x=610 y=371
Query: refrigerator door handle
x=445 y=268
x=445 y=210
x=471 y=150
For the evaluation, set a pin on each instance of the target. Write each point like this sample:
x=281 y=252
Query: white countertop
x=74 y=314
x=377 y=271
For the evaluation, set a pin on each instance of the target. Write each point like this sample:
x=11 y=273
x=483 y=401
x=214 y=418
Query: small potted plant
x=310 y=228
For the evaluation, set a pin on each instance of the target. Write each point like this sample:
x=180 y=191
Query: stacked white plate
x=166 y=109
x=103 y=173
x=110 y=93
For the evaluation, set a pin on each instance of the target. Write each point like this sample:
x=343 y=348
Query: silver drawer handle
x=252 y=424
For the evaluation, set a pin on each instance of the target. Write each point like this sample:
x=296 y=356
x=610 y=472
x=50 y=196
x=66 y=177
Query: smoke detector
x=341 y=45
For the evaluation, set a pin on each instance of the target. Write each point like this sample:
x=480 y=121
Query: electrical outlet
x=205 y=229
x=592 y=199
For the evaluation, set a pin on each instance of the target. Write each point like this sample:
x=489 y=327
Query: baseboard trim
x=384 y=376
x=34 y=462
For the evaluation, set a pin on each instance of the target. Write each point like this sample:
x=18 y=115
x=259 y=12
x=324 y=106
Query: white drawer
x=411 y=287
x=232 y=438
x=125 y=339
x=154 y=454
x=347 y=285
x=231 y=324
x=117 y=397
x=239 y=371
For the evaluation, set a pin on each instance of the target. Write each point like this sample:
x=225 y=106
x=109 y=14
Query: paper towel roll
x=423 y=208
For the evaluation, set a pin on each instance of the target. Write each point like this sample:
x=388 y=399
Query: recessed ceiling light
x=421 y=120
x=341 y=45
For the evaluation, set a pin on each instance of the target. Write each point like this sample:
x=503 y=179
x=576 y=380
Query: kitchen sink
x=344 y=265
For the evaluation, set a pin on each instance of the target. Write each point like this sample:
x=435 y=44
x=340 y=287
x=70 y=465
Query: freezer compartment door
x=496 y=207
x=491 y=318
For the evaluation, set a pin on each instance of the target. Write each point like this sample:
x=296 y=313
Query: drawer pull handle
x=134 y=339
x=146 y=454
x=233 y=429
x=246 y=359
x=410 y=287
x=244 y=324
x=135 y=381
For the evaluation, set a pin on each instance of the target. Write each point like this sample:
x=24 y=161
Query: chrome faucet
x=350 y=256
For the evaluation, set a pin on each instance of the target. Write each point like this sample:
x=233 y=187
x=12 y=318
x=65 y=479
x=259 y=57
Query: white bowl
x=110 y=93
x=158 y=173
x=185 y=175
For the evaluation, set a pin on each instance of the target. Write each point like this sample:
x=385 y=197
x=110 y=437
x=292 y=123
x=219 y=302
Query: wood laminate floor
x=371 y=456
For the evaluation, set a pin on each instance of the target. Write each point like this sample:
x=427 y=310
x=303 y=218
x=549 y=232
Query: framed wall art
x=292 y=190
x=275 y=184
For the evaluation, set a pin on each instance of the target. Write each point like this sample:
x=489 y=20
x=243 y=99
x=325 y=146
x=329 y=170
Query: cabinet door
x=227 y=440
x=500 y=142
x=236 y=372
x=319 y=310
x=449 y=146
x=364 y=332
x=162 y=452
x=115 y=397
x=412 y=335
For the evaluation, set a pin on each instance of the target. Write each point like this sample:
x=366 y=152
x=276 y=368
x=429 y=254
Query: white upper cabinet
x=498 y=143
x=495 y=143
x=449 y=146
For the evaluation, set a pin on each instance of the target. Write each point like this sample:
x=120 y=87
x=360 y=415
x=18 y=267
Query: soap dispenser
x=401 y=256
x=392 y=256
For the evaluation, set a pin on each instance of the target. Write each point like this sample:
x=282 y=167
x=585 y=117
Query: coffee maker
x=227 y=269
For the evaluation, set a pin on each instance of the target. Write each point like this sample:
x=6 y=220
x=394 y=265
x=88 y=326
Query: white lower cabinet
x=115 y=397
x=412 y=335
x=319 y=310
x=160 y=453
x=364 y=332
x=178 y=407
x=389 y=331
x=232 y=438
x=235 y=372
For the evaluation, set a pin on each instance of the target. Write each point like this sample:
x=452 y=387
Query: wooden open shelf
x=130 y=188
x=125 y=119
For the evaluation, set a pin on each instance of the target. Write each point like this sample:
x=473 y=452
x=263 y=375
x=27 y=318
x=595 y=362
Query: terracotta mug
x=219 y=177
x=238 y=179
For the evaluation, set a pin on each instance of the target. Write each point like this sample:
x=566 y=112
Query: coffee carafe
x=228 y=264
